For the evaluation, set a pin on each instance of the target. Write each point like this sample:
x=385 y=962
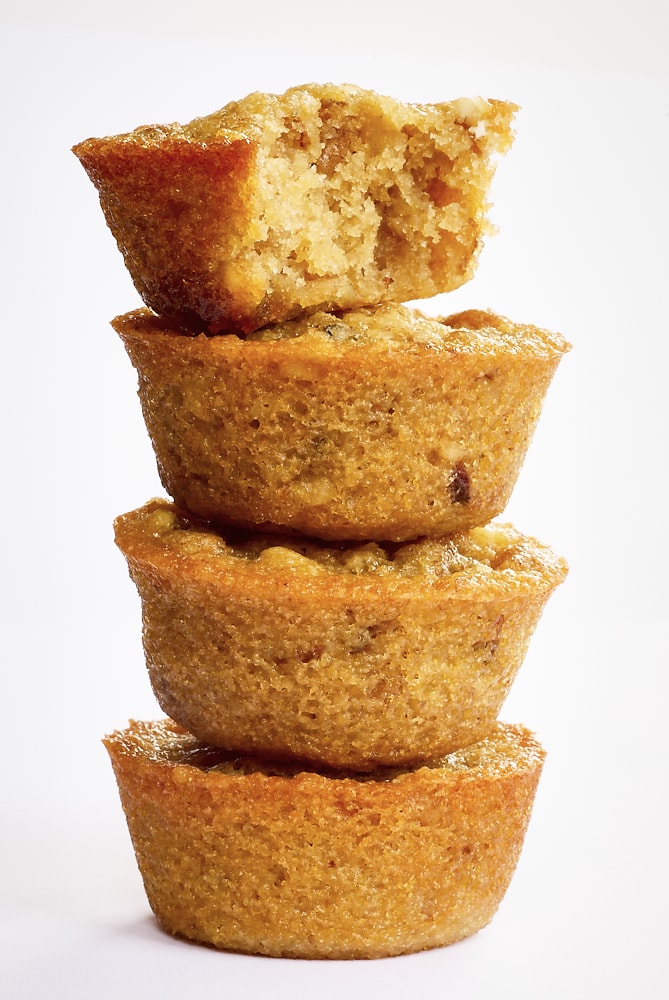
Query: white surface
x=582 y=212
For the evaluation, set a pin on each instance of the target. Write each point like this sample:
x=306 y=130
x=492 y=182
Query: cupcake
x=325 y=197
x=374 y=424
x=245 y=855
x=346 y=656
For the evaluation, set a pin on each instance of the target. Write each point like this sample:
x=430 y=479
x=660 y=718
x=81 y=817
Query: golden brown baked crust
x=325 y=197
x=346 y=656
x=378 y=423
x=250 y=857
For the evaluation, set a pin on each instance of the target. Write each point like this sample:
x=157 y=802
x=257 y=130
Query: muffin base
x=250 y=857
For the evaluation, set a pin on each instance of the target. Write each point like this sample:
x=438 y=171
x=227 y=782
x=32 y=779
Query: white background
x=582 y=212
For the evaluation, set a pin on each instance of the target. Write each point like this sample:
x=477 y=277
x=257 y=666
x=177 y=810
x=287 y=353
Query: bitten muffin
x=378 y=423
x=247 y=856
x=325 y=197
x=348 y=656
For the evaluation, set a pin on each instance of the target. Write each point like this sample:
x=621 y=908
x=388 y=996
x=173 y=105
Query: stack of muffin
x=331 y=617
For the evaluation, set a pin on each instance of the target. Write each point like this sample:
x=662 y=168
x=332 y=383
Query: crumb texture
x=325 y=197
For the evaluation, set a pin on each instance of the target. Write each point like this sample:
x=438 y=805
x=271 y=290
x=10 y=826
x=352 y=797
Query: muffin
x=378 y=423
x=249 y=856
x=346 y=656
x=325 y=197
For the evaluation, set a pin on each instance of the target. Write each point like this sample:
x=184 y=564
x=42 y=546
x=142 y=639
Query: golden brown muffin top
x=261 y=115
x=387 y=327
x=506 y=749
x=496 y=556
x=473 y=331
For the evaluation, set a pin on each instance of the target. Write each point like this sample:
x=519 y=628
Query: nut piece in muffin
x=324 y=197
x=249 y=856
x=377 y=423
x=348 y=656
